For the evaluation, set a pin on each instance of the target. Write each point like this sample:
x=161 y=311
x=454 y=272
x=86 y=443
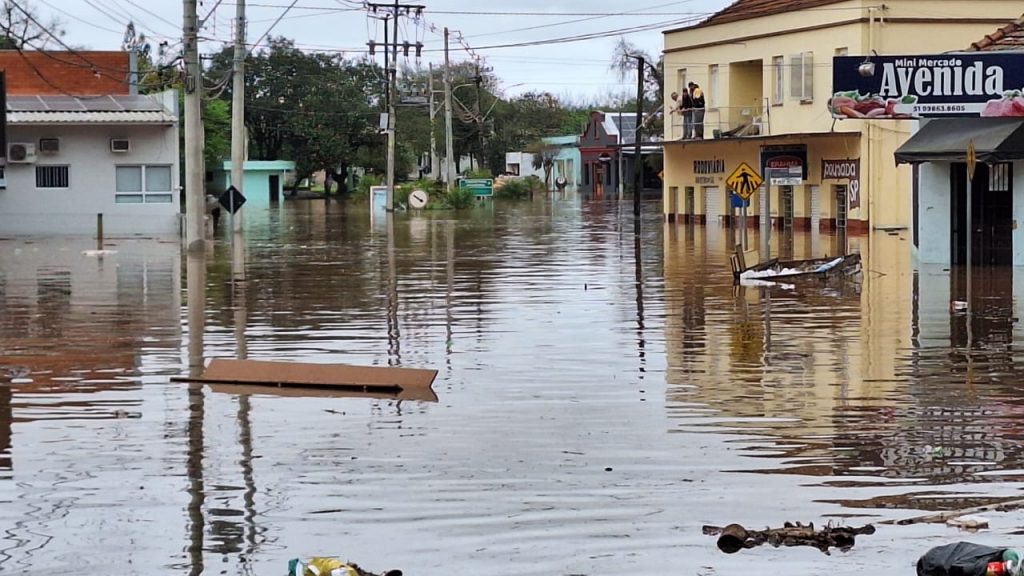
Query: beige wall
x=904 y=27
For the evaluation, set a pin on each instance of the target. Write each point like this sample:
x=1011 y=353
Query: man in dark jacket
x=697 y=97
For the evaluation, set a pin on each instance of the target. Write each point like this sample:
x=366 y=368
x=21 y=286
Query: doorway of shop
x=840 y=207
x=689 y=217
x=712 y=205
x=991 y=228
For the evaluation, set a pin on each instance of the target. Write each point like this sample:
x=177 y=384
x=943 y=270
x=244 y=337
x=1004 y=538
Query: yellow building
x=765 y=67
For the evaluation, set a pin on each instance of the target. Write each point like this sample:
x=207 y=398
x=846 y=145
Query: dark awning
x=946 y=140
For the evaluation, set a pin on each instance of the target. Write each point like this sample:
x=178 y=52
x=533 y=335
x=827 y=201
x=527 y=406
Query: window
x=712 y=95
x=52 y=177
x=680 y=79
x=801 y=80
x=999 y=177
x=143 y=184
x=844 y=51
x=778 y=79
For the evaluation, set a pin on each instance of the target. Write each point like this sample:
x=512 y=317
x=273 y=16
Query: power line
x=79 y=18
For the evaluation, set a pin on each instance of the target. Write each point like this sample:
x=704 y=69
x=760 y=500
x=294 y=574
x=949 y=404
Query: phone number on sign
x=940 y=108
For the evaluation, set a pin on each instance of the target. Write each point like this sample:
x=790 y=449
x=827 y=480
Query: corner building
x=765 y=67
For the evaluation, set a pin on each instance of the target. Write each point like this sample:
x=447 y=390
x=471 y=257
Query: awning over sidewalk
x=946 y=140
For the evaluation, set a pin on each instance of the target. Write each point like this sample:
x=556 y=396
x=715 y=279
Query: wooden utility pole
x=195 y=200
x=449 y=143
x=238 y=113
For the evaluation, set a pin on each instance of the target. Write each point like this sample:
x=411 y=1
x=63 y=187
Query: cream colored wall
x=936 y=27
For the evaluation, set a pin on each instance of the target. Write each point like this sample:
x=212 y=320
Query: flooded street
x=594 y=410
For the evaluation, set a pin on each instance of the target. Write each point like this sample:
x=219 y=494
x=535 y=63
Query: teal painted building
x=263 y=183
x=568 y=163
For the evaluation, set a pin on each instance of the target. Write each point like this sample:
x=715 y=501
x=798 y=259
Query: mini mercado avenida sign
x=899 y=87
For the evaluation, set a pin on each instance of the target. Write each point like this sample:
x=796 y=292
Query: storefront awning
x=947 y=139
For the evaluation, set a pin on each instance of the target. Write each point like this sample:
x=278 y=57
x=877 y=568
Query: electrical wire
x=77 y=18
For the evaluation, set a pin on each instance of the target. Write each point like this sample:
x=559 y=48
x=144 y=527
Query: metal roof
x=133 y=109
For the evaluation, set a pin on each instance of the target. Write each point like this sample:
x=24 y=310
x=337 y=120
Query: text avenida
x=939 y=77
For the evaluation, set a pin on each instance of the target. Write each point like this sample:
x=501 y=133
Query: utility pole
x=238 y=113
x=435 y=169
x=449 y=143
x=195 y=201
x=620 y=176
x=638 y=167
x=479 y=117
x=393 y=87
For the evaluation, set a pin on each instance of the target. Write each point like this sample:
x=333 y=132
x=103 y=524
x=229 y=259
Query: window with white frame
x=844 y=51
x=711 y=97
x=778 y=79
x=48 y=176
x=801 y=78
x=150 y=184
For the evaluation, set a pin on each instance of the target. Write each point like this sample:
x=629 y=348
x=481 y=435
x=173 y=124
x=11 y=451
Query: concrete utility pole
x=479 y=117
x=435 y=170
x=449 y=143
x=393 y=87
x=238 y=112
x=638 y=167
x=195 y=200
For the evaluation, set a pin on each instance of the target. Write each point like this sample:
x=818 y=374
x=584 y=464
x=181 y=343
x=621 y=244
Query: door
x=841 y=203
x=275 y=188
x=689 y=205
x=673 y=203
x=991 y=228
x=599 y=175
x=712 y=205
x=787 y=208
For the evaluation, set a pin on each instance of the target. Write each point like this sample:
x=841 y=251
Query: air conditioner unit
x=21 y=153
x=120 y=145
x=49 y=145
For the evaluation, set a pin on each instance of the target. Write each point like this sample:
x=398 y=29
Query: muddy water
x=595 y=410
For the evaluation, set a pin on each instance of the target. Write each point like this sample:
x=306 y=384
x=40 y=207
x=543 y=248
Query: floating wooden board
x=412 y=394
x=380 y=380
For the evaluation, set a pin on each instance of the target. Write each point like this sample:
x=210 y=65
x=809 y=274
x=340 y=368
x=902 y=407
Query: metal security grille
x=841 y=207
x=786 y=194
x=52 y=176
x=999 y=177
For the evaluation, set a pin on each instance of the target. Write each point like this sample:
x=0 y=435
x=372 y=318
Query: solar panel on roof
x=62 y=103
x=138 y=103
x=25 y=103
x=105 y=104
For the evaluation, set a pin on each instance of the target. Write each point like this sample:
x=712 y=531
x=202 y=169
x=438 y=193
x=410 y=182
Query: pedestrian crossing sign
x=744 y=181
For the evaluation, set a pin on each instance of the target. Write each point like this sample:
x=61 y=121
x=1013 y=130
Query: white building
x=71 y=158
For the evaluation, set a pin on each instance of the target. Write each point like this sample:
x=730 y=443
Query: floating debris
x=733 y=538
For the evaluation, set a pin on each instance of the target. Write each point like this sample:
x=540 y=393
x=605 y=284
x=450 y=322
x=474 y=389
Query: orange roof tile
x=1009 y=37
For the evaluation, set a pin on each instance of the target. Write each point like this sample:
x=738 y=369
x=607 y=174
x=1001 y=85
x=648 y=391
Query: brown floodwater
x=595 y=409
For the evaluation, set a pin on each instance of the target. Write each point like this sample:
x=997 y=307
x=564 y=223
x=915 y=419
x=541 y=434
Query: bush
x=513 y=190
x=535 y=183
x=459 y=199
x=362 y=190
x=479 y=173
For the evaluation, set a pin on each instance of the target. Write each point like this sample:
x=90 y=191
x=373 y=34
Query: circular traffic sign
x=418 y=199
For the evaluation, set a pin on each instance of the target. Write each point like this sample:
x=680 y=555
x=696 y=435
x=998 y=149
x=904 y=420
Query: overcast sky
x=576 y=68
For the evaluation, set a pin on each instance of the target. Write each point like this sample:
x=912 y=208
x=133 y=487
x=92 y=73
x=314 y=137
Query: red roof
x=749 y=9
x=1009 y=37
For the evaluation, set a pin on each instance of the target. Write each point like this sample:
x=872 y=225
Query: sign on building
x=844 y=170
x=784 y=165
x=985 y=84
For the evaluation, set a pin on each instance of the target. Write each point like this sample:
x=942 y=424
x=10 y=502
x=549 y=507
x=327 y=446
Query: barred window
x=52 y=176
x=999 y=177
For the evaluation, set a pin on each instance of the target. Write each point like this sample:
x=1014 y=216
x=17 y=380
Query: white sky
x=577 y=68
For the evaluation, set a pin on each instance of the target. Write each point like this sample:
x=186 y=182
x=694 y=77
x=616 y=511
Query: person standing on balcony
x=697 y=97
x=684 y=107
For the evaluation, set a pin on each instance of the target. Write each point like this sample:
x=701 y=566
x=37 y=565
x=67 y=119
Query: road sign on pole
x=972 y=160
x=231 y=199
x=744 y=181
x=480 y=187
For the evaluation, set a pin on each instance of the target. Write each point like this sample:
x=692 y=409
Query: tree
x=544 y=156
x=21 y=27
x=624 y=62
x=319 y=110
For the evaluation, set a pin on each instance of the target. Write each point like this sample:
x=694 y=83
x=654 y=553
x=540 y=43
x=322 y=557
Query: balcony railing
x=726 y=122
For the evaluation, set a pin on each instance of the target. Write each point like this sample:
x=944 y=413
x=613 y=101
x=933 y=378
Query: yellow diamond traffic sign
x=744 y=181
x=972 y=160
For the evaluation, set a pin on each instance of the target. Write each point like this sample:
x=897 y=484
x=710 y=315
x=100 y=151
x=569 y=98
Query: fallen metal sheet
x=383 y=381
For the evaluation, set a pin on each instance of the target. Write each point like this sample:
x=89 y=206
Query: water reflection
x=601 y=391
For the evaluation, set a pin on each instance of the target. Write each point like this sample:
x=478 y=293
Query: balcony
x=727 y=122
